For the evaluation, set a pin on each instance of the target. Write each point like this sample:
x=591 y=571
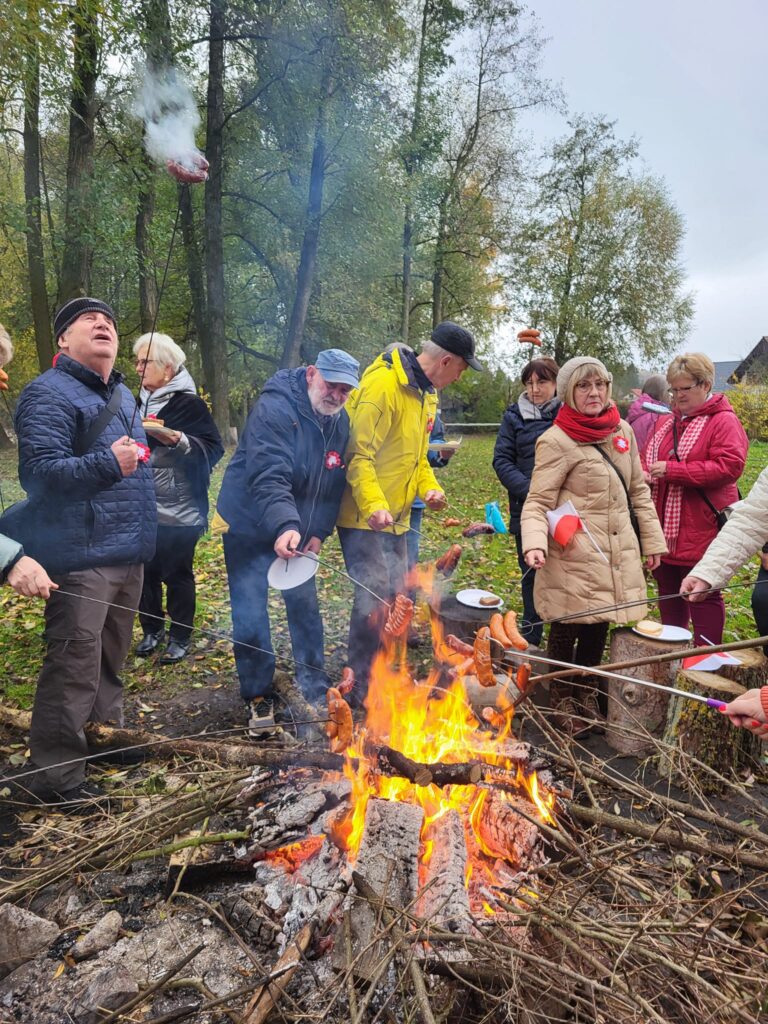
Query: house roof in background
x=723 y=375
x=757 y=358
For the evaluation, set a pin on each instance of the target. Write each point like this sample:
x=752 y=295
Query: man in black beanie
x=90 y=520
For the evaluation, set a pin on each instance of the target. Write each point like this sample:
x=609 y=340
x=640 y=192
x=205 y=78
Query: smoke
x=167 y=107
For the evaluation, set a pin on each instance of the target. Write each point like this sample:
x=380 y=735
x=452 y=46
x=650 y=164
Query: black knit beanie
x=71 y=310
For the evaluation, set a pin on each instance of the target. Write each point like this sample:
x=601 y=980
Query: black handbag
x=634 y=521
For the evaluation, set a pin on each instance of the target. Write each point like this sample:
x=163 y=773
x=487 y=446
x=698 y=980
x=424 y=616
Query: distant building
x=755 y=366
x=724 y=375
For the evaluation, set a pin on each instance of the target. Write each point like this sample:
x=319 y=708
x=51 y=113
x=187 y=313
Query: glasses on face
x=144 y=362
x=682 y=391
x=585 y=386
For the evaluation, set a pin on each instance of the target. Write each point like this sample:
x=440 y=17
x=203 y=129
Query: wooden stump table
x=637 y=714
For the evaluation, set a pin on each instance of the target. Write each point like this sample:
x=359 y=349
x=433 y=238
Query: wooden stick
x=421 y=774
x=267 y=998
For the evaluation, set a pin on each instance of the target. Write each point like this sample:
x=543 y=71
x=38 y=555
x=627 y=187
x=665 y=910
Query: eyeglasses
x=682 y=391
x=144 y=362
x=586 y=386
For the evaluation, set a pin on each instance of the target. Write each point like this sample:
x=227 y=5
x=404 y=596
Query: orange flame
x=291 y=857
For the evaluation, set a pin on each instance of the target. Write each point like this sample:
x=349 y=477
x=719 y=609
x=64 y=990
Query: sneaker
x=149 y=644
x=262 y=718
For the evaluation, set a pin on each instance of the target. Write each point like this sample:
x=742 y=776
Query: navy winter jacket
x=514 y=453
x=85 y=512
x=288 y=471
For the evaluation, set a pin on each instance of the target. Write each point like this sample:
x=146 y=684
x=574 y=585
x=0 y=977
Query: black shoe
x=126 y=758
x=79 y=799
x=261 y=722
x=149 y=644
x=174 y=652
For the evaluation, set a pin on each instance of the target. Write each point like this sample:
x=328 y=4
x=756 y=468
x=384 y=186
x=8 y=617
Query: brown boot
x=590 y=711
x=566 y=712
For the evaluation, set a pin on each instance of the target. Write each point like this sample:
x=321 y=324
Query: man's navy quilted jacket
x=86 y=513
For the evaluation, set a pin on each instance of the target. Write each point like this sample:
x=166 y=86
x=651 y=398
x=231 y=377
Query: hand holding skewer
x=693 y=589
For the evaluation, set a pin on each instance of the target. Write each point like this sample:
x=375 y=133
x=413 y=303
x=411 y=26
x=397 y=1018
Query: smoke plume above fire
x=164 y=102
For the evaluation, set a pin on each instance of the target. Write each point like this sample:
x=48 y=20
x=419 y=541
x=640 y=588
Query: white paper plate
x=668 y=633
x=287 y=573
x=471 y=598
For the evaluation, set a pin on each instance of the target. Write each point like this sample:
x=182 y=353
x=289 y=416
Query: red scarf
x=588 y=429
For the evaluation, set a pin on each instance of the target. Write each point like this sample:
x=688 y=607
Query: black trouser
x=579 y=643
x=530 y=626
x=760 y=604
x=172 y=566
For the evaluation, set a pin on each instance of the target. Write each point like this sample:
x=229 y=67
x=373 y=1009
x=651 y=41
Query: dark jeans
x=579 y=643
x=760 y=604
x=530 y=626
x=86 y=645
x=380 y=561
x=412 y=539
x=172 y=566
x=707 y=616
x=247 y=566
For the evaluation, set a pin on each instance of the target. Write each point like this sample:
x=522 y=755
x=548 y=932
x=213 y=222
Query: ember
x=291 y=857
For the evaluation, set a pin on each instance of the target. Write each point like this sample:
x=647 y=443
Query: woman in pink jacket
x=694 y=460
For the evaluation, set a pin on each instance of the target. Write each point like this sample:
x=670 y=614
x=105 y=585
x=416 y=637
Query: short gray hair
x=6 y=346
x=165 y=351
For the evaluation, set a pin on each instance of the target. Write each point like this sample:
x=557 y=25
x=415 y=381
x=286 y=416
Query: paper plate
x=669 y=633
x=287 y=573
x=471 y=598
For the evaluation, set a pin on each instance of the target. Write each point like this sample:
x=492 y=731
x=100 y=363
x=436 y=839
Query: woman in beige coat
x=590 y=458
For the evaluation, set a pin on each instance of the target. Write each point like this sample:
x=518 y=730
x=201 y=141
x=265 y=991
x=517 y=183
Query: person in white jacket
x=742 y=537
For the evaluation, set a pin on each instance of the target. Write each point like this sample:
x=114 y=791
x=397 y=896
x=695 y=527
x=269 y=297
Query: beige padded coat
x=742 y=536
x=575 y=577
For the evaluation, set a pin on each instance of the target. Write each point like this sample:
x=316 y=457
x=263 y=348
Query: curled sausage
x=510 y=628
x=451 y=521
x=483 y=662
x=459 y=645
x=339 y=726
x=191 y=172
x=530 y=336
x=474 y=529
x=495 y=718
x=399 y=617
x=347 y=681
x=446 y=564
x=498 y=633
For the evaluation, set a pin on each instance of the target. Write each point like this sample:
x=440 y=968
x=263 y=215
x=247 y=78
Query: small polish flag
x=564 y=523
x=710 y=662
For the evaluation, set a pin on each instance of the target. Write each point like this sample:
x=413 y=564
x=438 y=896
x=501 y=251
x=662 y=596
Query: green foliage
x=750 y=403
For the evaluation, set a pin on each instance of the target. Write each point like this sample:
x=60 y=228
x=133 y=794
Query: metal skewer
x=329 y=565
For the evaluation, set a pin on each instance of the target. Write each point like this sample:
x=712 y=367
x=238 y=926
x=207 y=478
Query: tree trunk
x=35 y=255
x=213 y=342
x=77 y=253
x=145 y=210
x=308 y=261
x=439 y=266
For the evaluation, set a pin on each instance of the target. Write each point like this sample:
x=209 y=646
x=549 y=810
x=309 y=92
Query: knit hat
x=568 y=369
x=71 y=310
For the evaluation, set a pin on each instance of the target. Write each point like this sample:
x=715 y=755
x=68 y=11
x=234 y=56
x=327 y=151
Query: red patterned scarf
x=673 y=503
x=588 y=429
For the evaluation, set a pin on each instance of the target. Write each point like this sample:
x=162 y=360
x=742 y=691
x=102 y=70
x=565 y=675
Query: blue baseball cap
x=338 y=367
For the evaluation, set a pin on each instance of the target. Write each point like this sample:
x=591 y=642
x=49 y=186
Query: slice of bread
x=649 y=627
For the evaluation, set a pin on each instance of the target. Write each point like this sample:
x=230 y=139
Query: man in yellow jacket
x=391 y=417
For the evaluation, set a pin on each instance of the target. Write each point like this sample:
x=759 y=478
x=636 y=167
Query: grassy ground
x=488 y=562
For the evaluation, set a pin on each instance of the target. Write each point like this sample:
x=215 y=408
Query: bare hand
x=380 y=520
x=313 y=546
x=162 y=436
x=446 y=454
x=29 y=578
x=694 y=589
x=658 y=469
x=652 y=562
x=535 y=558
x=746 y=711
x=435 y=500
x=127 y=454
x=287 y=544
x=647 y=477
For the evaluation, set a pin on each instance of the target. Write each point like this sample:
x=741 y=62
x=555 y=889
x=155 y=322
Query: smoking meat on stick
x=399 y=617
x=191 y=171
x=483 y=662
x=446 y=563
x=339 y=726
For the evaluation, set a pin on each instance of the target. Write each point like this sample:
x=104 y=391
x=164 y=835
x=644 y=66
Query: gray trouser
x=86 y=645
x=380 y=561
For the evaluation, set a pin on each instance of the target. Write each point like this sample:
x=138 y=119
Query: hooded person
x=280 y=496
x=392 y=415
x=648 y=409
x=588 y=460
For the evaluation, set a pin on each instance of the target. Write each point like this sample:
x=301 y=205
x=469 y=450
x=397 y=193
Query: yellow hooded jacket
x=391 y=419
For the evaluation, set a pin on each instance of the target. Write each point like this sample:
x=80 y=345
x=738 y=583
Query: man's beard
x=322 y=404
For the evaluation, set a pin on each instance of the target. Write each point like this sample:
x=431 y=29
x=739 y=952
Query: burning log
x=444 y=899
x=505 y=833
x=392 y=762
x=388 y=861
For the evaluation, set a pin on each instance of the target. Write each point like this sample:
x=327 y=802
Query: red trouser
x=708 y=616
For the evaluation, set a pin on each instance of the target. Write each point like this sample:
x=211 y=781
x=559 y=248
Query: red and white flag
x=710 y=662
x=564 y=523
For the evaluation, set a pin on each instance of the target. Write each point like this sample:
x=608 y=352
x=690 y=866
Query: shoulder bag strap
x=715 y=512
x=100 y=424
x=615 y=469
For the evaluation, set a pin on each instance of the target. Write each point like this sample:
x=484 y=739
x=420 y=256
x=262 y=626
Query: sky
x=688 y=79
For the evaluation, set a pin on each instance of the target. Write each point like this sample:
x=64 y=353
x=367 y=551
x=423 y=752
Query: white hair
x=6 y=346
x=164 y=350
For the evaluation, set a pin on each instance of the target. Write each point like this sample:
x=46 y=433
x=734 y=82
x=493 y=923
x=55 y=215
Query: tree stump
x=636 y=713
x=694 y=730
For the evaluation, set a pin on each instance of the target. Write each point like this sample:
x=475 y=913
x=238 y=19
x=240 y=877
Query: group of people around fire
x=117 y=499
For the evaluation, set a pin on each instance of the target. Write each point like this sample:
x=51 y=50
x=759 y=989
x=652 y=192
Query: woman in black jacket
x=185 y=445
x=523 y=424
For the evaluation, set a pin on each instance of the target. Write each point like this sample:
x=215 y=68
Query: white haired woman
x=588 y=457
x=185 y=445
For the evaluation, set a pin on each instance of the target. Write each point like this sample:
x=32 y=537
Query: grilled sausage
x=189 y=175
x=446 y=563
x=498 y=633
x=451 y=522
x=483 y=662
x=523 y=676
x=399 y=617
x=475 y=529
x=340 y=725
x=510 y=628
x=347 y=681
x=459 y=645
